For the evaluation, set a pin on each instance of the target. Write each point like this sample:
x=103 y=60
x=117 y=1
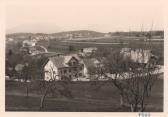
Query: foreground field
x=85 y=99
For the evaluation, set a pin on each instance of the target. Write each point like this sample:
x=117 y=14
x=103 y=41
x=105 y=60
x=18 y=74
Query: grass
x=85 y=99
x=59 y=105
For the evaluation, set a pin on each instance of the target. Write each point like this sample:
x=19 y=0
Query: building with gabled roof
x=63 y=67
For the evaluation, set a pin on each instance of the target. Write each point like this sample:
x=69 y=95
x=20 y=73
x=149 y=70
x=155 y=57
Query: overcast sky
x=107 y=16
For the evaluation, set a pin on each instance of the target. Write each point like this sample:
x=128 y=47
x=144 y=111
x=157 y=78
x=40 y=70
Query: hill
x=83 y=33
x=80 y=32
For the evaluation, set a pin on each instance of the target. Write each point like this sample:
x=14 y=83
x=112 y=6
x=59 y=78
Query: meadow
x=85 y=98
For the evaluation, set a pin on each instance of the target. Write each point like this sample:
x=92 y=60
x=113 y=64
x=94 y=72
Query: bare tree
x=26 y=77
x=133 y=80
x=52 y=86
x=96 y=73
x=48 y=86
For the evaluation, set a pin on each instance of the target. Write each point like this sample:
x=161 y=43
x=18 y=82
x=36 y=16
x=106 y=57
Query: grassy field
x=63 y=46
x=85 y=99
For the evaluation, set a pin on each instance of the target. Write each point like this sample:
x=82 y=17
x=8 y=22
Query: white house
x=28 y=43
x=63 y=67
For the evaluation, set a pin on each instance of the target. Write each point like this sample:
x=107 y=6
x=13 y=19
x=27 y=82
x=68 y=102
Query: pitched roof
x=58 y=61
x=67 y=59
x=61 y=61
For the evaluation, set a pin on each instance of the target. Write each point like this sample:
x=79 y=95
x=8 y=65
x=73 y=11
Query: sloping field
x=85 y=99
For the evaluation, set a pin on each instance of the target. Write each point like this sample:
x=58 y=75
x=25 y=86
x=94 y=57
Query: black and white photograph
x=84 y=56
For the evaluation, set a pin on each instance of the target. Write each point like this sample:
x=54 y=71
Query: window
x=46 y=71
x=75 y=75
x=59 y=71
x=70 y=64
x=65 y=71
x=75 y=69
x=74 y=63
x=80 y=74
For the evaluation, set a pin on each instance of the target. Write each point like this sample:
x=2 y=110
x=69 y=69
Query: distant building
x=33 y=50
x=137 y=55
x=87 y=51
x=28 y=43
x=107 y=35
x=9 y=39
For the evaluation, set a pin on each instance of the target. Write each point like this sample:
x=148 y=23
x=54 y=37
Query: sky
x=100 y=15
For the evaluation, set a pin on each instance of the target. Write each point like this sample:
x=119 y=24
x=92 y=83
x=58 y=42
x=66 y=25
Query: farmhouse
x=63 y=67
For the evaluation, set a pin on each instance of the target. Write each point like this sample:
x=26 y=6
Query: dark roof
x=61 y=61
x=58 y=61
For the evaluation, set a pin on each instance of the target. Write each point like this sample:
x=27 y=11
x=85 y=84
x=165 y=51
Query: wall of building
x=51 y=71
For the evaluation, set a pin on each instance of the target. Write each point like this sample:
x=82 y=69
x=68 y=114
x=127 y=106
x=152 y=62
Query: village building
x=63 y=67
x=9 y=39
x=28 y=43
x=138 y=55
x=33 y=50
x=87 y=51
x=107 y=35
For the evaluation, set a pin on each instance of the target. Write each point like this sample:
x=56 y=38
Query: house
x=107 y=35
x=28 y=43
x=87 y=51
x=63 y=67
x=137 y=55
x=9 y=39
x=33 y=50
x=37 y=50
